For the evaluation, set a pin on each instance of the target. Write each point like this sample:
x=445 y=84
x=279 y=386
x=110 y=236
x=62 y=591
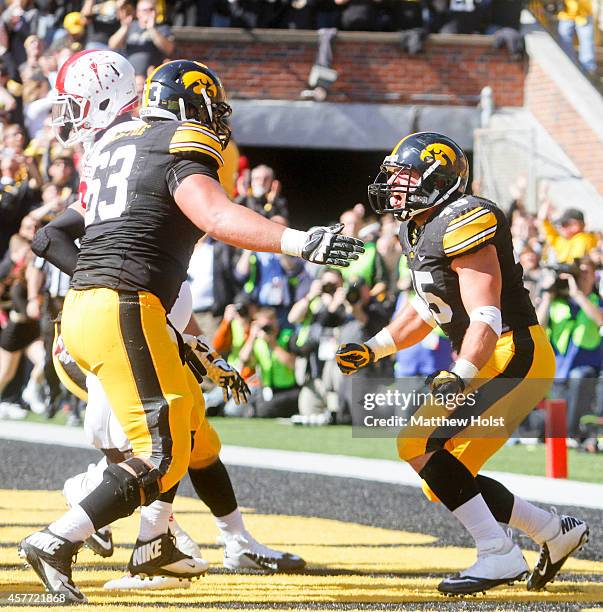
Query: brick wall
x=274 y=64
x=549 y=105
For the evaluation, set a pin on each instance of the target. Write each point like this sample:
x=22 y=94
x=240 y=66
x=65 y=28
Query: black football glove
x=352 y=357
x=325 y=245
x=444 y=382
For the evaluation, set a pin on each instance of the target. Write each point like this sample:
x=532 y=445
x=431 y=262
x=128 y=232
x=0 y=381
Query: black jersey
x=137 y=238
x=463 y=227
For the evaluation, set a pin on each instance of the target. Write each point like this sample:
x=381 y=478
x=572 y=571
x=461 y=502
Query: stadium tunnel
x=325 y=154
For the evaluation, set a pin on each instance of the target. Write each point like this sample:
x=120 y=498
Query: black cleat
x=161 y=557
x=572 y=536
x=101 y=542
x=51 y=557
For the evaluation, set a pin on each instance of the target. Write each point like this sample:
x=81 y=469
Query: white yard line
x=535 y=488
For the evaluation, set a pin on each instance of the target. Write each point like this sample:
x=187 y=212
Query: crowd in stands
x=446 y=16
x=276 y=318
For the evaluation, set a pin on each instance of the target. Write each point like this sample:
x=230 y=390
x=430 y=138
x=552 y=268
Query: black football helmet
x=184 y=90
x=428 y=167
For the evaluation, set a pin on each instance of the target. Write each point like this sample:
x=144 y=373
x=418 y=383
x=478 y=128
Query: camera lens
x=329 y=288
x=353 y=295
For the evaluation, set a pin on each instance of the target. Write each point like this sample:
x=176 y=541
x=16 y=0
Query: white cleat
x=500 y=563
x=155 y=583
x=184 y=542
x=572 y=535
x=243 y=551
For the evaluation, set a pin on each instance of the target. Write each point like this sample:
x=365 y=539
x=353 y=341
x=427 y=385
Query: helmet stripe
x=398 y=145
x=60 y=82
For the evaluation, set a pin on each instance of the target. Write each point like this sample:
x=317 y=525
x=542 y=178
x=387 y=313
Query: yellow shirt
x=577 y=10
x=566 y=249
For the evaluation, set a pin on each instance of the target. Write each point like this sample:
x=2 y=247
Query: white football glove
x=326 y=245
x=322 y=245
x=217 y=368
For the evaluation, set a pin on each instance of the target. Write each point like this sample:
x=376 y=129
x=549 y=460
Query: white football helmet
x=92 y=89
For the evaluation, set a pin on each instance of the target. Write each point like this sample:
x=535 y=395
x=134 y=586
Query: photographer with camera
x=267 y=348
x=319 y=315
x=366 y=316
x=571 y=310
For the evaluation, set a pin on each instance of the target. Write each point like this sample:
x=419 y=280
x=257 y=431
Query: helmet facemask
x=69 y=118
x=424 y=170
x=213 y=114
x=422 y=191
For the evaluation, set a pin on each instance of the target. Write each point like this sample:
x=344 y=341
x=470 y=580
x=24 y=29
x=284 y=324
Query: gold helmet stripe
x=395 y=150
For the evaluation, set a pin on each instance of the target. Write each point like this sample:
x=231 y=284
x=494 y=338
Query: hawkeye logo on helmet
x=440 y=152
x=199 y=81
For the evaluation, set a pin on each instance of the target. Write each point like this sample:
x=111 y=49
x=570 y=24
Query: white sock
x=75 y=525
x=533 y=521
x=154 y=520
x=477 y=519
x=232 y=523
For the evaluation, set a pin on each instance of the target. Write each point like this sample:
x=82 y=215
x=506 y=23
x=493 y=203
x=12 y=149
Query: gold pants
x=517 y=376
x=122 y=338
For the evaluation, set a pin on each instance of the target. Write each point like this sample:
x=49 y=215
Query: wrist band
x=292 y=242
x=465 y=369
x=382 y=344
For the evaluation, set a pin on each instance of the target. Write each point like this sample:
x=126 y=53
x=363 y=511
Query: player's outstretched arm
x=409 y=326
x=204 y=202
x=55 y=241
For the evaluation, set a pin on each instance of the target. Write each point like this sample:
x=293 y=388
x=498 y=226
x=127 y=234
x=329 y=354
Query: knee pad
x=129 y=486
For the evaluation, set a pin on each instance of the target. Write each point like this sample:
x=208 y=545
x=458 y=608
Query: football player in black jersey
x=152 y=192
x=469 y=282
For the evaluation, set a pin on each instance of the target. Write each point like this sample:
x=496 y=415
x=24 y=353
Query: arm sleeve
x=55 y=241
x=182 y=168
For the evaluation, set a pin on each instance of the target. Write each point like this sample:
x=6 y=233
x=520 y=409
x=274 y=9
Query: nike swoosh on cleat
x=542 y=571
x=56 y=579
x=106 y=544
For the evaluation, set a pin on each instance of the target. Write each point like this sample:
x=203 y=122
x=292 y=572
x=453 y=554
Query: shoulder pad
x=192 y=140
x=469 y=223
